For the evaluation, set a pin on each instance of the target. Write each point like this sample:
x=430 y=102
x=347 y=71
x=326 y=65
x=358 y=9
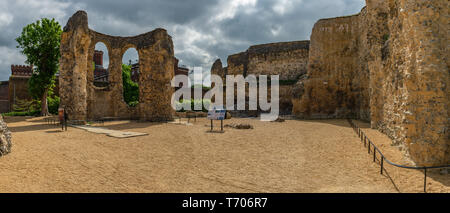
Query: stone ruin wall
x=237 y=64
x=218 y=69
x=287 y=59
x=411 y=103
x=84 y=101
x=334 y=73
x=388 y=64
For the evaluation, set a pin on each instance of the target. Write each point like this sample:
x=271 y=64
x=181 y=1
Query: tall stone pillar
x=74 y=66
x=156 y=72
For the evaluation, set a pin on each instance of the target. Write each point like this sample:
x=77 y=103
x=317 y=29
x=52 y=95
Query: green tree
x=40 y=42
x=130 y=88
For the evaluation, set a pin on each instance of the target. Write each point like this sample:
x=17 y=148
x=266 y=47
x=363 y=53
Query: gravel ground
x=292 y=156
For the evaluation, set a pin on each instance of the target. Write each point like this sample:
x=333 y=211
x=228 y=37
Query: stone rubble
x=5 y=138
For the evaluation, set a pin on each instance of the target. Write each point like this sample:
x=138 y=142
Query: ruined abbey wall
x=218 y=69
x=85 y=101
x=387 y=64
x=237 y=64
x=334 y=72
x=287 y=59
x=410 y=103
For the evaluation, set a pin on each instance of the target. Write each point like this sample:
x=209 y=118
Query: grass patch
x=29 y=113
x=184 y=103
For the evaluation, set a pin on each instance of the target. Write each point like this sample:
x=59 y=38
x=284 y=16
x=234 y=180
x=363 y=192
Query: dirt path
x=294 y=156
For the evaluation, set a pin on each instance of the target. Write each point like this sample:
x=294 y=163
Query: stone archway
x=78 y=93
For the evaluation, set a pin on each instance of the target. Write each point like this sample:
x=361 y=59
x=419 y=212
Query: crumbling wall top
x=79 y=19
x=239 y=58
x=279 y=47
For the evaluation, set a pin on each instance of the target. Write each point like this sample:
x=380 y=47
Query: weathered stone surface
x=239 y=126
x=228 y=116
x=387 y=64
x=410 y=79
x=218 y=69
x=5 y=138
x=237 y=64
x=286 y=94
x=287 y=59
x=84 y=101
x=333 y=73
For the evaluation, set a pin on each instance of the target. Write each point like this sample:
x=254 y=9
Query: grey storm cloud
x=202 y=30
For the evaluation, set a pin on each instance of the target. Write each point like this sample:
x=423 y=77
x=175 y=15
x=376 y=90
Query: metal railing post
x=425 y=181
x=366 y=140
x=374 y=154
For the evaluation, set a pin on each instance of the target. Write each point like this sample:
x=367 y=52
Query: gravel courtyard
x=293 y=156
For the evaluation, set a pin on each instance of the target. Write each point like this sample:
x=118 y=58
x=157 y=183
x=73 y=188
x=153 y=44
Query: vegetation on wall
x=385 y=37
x=130 y=88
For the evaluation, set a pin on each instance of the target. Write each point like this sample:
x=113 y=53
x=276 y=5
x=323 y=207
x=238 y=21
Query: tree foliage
x=40 y=42
x=130 y=88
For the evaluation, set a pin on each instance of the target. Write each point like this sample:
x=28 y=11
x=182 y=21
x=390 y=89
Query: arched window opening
x=130 y=77
x=100 y=64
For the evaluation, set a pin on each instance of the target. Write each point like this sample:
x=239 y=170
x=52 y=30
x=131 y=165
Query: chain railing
x=374 y=149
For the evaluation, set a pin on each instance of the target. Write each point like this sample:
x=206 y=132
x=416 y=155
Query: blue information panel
x=217 y=114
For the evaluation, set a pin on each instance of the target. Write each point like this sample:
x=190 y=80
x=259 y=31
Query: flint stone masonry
x=5 y=138
x=218 y=69
x=287 y=59
x=388 y=65
x=237 y=64
x=84 y=101
x=334 y=73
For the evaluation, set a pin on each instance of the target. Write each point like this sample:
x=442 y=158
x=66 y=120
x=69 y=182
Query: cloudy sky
x=202 y=30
